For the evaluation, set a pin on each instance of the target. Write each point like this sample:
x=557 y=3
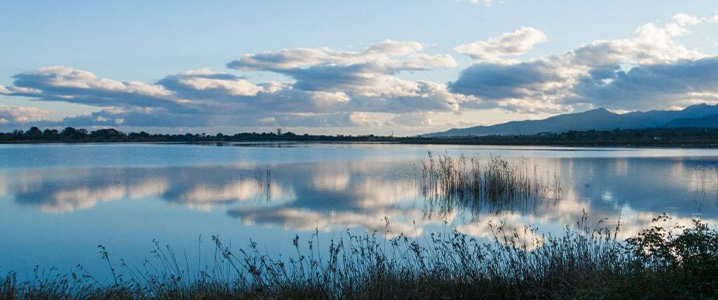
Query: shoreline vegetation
x=649 y=137
x=664 y=261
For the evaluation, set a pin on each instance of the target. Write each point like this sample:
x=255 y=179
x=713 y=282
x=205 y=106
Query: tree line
x=80 y=135
x=700 y=137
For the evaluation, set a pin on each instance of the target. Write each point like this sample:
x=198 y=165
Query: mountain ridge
x=595 y=119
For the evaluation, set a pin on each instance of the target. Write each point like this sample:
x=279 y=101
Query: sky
x=347 y=67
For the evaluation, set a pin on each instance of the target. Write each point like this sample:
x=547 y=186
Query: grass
x=476 y=184
x=587 y=262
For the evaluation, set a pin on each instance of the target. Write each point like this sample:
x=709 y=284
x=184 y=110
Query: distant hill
x=700 y=115
x=710 y=121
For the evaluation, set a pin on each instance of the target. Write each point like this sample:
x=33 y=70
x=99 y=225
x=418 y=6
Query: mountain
x=709 y=121
x=597 y=119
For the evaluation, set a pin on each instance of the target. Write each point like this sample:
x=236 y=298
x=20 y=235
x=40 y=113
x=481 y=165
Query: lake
x=59 y=202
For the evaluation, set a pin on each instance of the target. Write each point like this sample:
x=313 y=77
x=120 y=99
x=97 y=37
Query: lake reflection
x=68 y=190
x=269 y=201
x=337 y=195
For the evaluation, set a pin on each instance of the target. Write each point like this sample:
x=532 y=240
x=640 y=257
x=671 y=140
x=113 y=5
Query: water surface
x=58 y=202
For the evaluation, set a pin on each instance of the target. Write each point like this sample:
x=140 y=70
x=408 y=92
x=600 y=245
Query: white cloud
x=629 y=73
x=282 y=60
x=654 y=44
x=58 y=83
x=59 y=76
x=514 y=43
x=370 y=88
x=364 y=119
x=204 y=83
x=383 y=56
x=684 y=19
x=328 y=99
x=329 y=88
x=238 y=87
x=17 y=115
x=417 y=119
x=369 y=73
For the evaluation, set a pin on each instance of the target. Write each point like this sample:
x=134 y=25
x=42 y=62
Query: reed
x=495 y=183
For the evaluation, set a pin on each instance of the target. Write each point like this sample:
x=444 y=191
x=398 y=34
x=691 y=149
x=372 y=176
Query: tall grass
x=449 y=183
x=582 y=263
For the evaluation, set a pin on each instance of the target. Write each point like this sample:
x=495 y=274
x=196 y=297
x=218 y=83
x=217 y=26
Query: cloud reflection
x=306 y=220
x=203 y=195
x=3 y=185
x=329 y=196
x=332 y=181
x=507 y=228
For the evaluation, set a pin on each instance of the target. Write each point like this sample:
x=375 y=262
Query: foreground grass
x=583 y=263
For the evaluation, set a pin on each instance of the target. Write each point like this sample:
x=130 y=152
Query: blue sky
x=359 y=67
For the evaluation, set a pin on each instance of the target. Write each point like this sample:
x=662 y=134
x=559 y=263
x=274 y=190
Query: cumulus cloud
x=13 y=115
x=651 y=70
x=514 y=43
x=369 y=88
x=135 y=116
x=681 y=83
x=328 y=88
x=369 y=73
x=58 y=83
x=419 y=119
x=364 y=119
x=390 y=56
x=685 y=19
x=499 y=81
x=205 y=83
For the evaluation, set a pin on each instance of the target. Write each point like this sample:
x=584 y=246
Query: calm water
x=58 y=202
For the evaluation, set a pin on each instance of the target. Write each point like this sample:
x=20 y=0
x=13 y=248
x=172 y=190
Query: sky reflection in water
x=55 y=214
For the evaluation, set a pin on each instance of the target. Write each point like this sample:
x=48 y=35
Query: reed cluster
x=495 y=183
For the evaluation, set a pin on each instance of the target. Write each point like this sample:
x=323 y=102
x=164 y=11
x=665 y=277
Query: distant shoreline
x=638 y=138
x=397 y=141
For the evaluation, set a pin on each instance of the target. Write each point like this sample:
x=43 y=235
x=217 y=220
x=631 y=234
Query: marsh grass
x=585 y=262
x=473 y=183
